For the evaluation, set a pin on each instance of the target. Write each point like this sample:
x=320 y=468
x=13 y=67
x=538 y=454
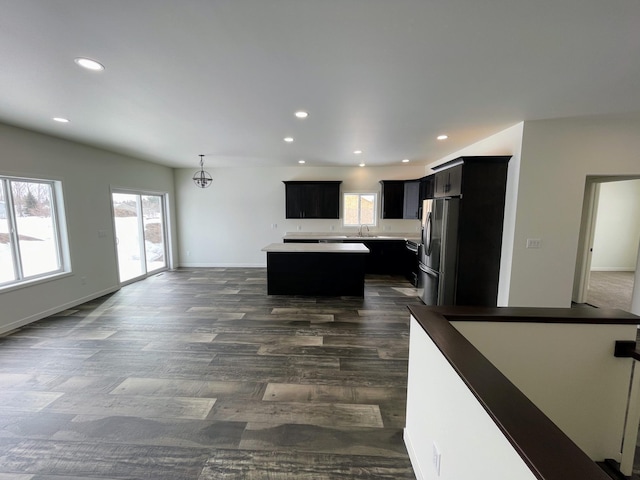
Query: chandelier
x=201 y=178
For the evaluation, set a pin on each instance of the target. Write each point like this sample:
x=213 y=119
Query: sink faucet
x=361 y=231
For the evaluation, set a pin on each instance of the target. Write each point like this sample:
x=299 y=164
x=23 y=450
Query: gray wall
x=87 y=176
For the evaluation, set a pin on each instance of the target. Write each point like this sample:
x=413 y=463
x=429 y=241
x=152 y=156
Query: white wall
x=545 y=193
x=617 y=232
x=228 y=223
x=87 y=174
x=557 y=156
x=441 y=410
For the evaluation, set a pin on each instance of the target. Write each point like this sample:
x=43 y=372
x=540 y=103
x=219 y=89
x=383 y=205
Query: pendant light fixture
x=201 y=178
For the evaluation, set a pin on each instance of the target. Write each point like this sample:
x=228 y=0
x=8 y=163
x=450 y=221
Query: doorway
x=139 y=219
x=609 y=242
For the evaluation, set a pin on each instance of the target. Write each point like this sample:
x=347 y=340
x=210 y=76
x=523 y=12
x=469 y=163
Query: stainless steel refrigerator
x=438 y=260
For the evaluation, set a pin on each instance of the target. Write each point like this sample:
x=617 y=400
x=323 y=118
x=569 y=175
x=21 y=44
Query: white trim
x=612 y=269
x=415 y=463
x=223 y=265
x=376 y=208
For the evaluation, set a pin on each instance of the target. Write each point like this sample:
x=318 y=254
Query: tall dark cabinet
x=480 y=185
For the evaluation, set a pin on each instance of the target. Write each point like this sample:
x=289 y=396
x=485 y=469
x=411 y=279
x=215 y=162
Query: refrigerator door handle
x=429 y=233
x=427 y=270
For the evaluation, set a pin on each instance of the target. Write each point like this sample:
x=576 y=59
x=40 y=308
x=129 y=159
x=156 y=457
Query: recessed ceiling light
x=357 y=152
x=362 y=165
x=442 y=137
x=301 y=114
x=405 y=160
x=301 y=161
x=89 y=64
x=61 y=120
x=288 y=139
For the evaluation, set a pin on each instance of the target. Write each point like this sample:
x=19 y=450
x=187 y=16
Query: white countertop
x=349 y=236
x=316 y=248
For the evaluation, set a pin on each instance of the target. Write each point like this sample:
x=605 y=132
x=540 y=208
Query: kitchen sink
x=379 y=237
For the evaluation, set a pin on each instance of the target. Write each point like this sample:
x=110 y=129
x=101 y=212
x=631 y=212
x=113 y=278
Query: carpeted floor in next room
x=610 y=289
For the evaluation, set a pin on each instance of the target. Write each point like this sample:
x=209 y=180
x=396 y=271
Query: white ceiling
x=224 y=77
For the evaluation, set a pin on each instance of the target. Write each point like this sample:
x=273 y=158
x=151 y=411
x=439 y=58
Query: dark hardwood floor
x=198 y=374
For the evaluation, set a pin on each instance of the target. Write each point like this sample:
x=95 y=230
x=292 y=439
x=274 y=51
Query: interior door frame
x=587 y=232
x=164 y=196
x=585 y=240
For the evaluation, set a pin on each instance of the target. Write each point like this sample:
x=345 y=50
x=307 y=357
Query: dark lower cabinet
x=388 y=257
x=333 y=274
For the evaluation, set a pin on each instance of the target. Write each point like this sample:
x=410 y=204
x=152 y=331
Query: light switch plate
x=534 y=243
x=436 y=459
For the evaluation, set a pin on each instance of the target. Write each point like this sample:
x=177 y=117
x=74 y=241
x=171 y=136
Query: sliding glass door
x=139 y=220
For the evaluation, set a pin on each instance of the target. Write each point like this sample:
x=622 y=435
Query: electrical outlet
x=332 y=228
x=274 y=225
x=436 y=459
x=534 y=243
x=299 y=227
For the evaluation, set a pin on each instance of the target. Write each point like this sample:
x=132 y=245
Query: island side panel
x=314 y=273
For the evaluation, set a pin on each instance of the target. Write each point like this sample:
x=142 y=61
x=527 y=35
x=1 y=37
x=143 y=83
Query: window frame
x=166 y=238
x=59 y=236
x=360 y=195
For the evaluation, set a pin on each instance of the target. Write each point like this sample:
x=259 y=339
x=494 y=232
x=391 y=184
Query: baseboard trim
x=223 y=265
x=412 y=455
x=4 y=329
x=612 y=269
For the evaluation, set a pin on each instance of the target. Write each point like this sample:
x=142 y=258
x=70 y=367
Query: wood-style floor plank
x=199 y=374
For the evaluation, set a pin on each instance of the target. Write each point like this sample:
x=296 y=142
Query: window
x=360 y=209
x=30 y=230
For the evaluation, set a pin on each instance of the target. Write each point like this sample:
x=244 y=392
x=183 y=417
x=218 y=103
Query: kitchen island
x=332 y=269
x=388 y=254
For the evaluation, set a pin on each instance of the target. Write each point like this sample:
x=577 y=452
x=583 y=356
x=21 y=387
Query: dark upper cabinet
x=411 y=199
x=448 y=182
x=427 y=185
x=312 y=199
x=400 y=199
x=392 y=198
